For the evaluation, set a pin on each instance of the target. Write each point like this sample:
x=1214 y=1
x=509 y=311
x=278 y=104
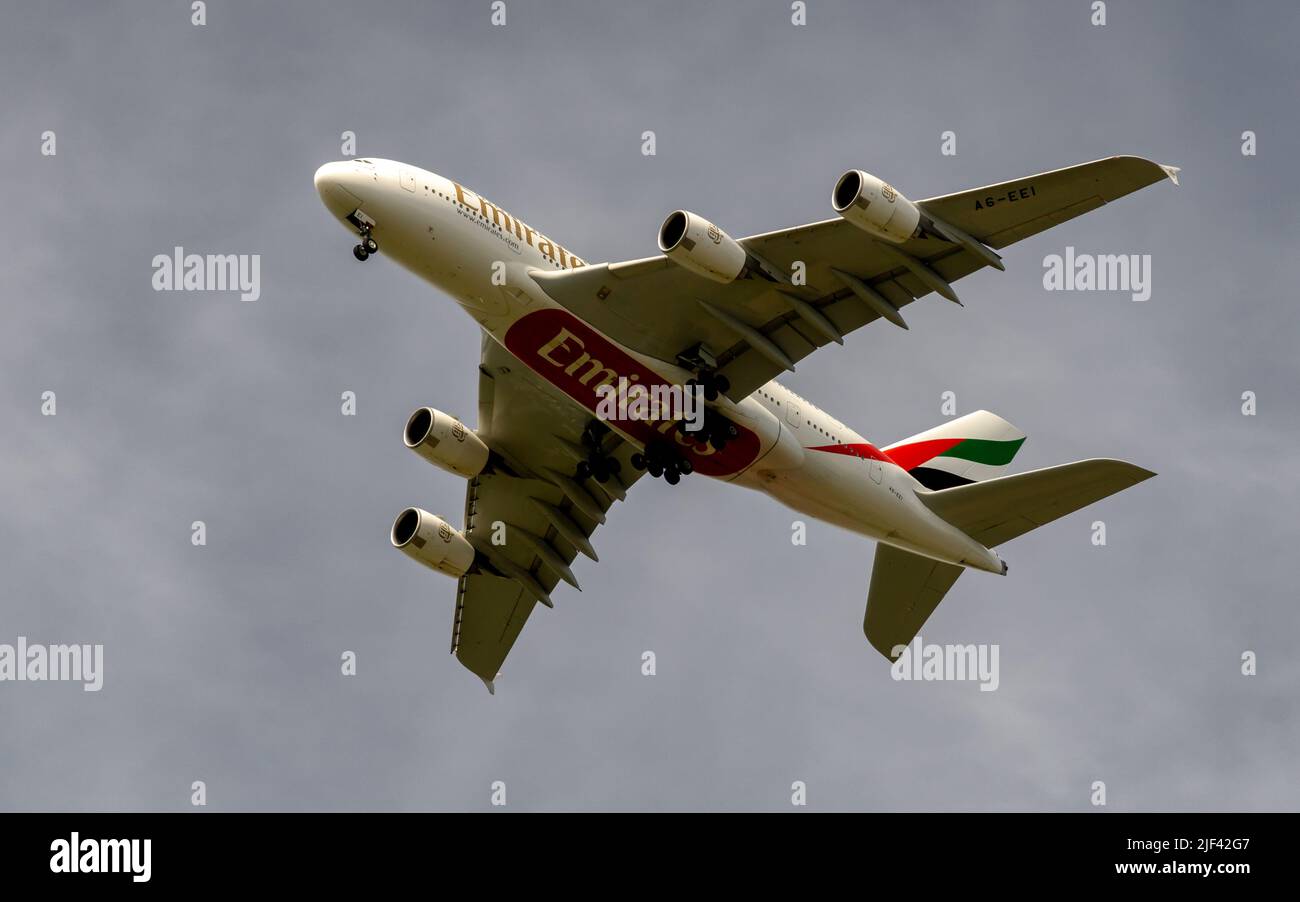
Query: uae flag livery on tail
x=968 y=449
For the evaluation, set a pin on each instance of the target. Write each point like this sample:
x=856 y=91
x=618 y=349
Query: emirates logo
x=444 y=532
x=458 y=430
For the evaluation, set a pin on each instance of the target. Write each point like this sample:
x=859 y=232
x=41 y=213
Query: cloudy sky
x=222 y=663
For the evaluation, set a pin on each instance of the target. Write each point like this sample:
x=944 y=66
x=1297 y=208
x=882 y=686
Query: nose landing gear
x=368 y=245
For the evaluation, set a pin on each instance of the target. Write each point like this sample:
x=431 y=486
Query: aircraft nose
x=329 y=176
x=333 y=181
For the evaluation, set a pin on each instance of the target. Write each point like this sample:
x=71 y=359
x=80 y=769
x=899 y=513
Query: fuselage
x=481 y=256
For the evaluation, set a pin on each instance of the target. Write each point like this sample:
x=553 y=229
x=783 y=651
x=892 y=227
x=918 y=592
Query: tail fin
x=972 y=448
x=906 y=588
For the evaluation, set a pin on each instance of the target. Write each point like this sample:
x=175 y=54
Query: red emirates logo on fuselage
x=572 y=356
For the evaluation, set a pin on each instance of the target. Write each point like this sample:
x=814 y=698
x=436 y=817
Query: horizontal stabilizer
x=905 y=590
x=998 y=510
x=906 y=587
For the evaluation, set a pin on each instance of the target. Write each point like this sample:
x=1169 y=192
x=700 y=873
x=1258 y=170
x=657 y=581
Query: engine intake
x=445 y=442
x=432 y=541
x=875 y=207
x=701 y=247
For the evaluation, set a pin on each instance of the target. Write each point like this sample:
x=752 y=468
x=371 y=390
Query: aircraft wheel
x=638 y=461
x=686 y=467
x=360 y=253
x=671 y=476
x=655 y=468
x=371 y=245
x=583 y=470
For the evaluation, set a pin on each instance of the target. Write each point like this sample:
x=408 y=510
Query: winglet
x=490 y=684
x=1171 y=171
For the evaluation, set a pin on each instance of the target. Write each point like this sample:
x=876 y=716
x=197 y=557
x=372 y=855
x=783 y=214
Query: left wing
x=759 y=327
x=529 y=518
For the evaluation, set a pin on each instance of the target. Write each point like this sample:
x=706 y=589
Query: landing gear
x=714 y=384
x=601 y=469
x=661 y=459
x=700 y=359
x=368 y=245
x=716 y=430
x=599 y=465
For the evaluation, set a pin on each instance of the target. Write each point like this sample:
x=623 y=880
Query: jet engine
x=875 y=207
x=432 y=541
x=445 y=442
x=698 y=245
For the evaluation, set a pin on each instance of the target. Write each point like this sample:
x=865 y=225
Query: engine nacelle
x=875 y=207
x=698 y=245
x=445 y=442
x=432 y=541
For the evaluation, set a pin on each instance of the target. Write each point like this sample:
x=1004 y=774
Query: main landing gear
x=666 y=458
x=700 y=359
x=600 y=464
x=714 y=384
x=661 y=459
x=716 y=430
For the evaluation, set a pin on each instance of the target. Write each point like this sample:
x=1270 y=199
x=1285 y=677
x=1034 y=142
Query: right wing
x=761 y=328
x=540 y=518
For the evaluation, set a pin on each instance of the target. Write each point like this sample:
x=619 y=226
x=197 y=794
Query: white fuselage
x=481 y=256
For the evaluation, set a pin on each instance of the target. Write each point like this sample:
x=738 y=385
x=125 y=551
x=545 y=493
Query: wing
x=759 y=328
x=905 y=590
x=528 y=517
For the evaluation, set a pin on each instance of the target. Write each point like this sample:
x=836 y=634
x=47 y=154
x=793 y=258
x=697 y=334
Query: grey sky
x=222 y=662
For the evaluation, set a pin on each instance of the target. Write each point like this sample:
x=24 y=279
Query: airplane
x=721 y=318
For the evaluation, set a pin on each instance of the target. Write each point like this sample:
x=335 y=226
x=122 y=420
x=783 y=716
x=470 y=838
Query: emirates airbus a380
x=721 y=317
